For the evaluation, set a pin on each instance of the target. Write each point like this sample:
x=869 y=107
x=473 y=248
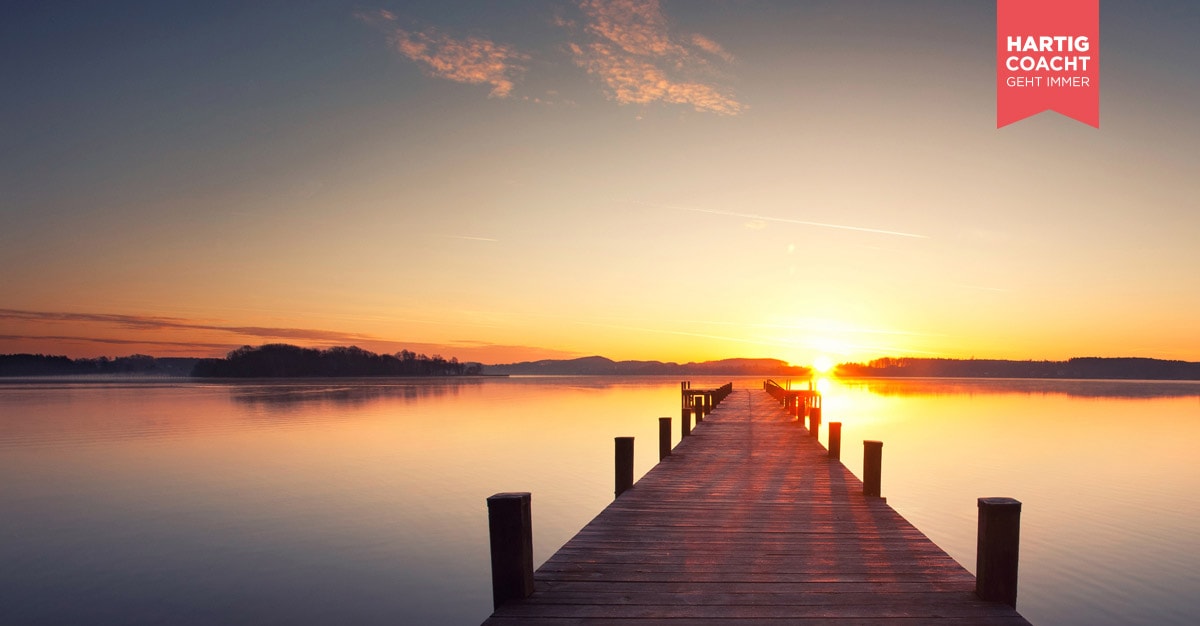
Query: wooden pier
x=749 y=521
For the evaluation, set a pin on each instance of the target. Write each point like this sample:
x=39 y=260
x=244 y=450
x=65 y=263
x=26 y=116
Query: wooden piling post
x=872 y=464
x=814 y=420
x=686 y=422
x=664 y=437
x=835 y=441
x=623 y=464
x=511 y=533
x=997 y=547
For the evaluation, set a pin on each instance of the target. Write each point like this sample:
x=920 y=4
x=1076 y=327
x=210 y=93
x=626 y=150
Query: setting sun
x=822 y=363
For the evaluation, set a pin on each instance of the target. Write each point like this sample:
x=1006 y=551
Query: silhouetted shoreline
x=288 y=361
x=1080 y=368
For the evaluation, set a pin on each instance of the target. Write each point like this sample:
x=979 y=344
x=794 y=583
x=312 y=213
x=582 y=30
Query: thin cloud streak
x=847 y=348
x=785 y=220
x=465 y=349
x=171 y=323
x=711 y=47
x=179 y=344
x=469 y=238
x=660 y=331
x=815 y=328
x=983 y=288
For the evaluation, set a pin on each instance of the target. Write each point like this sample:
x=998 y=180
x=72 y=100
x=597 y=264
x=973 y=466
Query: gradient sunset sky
x=512 y=180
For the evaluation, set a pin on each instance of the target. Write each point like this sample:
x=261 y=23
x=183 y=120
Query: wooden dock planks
x=748 y=522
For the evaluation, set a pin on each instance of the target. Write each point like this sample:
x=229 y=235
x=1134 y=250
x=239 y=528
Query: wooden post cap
x=1007 y=503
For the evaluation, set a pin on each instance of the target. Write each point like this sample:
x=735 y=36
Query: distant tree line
x=281 y=360
x=1080 y=367
x=46 y=365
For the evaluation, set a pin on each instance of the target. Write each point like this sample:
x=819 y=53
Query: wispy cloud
x=97 y=328
x=983 y=288
x=816 y=325
x=633 y=51
x=119 y=342
x=145 y=322
x=472 y=60
x=711 y=47
x=628 y=44
x=636 y=26
x=684 y=333
x=784 y=220
x=469 y=238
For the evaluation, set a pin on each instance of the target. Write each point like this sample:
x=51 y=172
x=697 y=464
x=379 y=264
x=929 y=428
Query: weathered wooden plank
x=798 y=611
x=773 y=597
x=702 y=587
x=749 y=522
x=626 y=575
x=975 y=620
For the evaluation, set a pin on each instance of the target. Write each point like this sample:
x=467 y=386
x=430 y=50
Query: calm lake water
x=363 y=502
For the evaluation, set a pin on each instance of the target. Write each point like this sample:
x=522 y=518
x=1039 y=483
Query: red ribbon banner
x=1047 y=58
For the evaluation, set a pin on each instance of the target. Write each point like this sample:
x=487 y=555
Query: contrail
x=815 y=328
x=469 y=238
x=774 y=344
x=785 y=220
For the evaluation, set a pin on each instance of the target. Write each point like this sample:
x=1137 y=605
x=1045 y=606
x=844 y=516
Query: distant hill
x=598 y=365
x=1124 y=368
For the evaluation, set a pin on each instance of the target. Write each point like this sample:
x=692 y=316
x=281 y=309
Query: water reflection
x=1075 y=388
x=324 y=501
x=347 y=392
x=1103 y=469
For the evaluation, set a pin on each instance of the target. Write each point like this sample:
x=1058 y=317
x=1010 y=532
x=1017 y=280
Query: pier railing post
x=664 y=437
x=835 y=441
x=511 y=533
x=872 y=465
x=998 y=544
x=624 y=464
x=686 y=422
x=814 y=420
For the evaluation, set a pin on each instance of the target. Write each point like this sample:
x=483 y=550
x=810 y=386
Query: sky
x=522 y=179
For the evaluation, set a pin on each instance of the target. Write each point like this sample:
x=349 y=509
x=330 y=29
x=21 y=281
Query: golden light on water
x=823 y=385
